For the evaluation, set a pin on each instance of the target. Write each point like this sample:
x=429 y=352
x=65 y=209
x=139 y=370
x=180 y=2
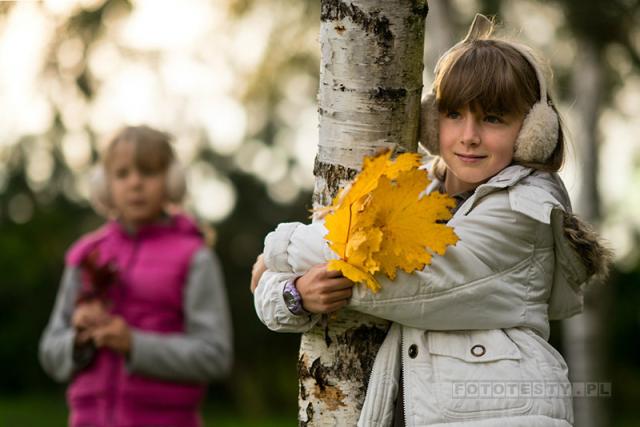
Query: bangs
x=488 y=74
x=152 y=156
x=152 y=149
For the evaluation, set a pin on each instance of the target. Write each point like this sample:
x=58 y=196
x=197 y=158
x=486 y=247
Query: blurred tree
x=369 y=98
x=597 y=26
x=40 y=218
x=442 y=30
x=585 y=335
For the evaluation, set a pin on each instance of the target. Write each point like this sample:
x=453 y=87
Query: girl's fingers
x=339 y=284
x=84 y=322
x=98 y=339
x=333 y=273
x=340 y=295
x=82 y=336
x=337 y=274
x=106 y=318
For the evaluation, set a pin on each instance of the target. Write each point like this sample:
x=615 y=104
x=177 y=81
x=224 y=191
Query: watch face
x=290 y=300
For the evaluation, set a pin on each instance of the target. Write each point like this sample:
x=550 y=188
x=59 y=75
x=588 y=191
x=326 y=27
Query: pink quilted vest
x=152 y=268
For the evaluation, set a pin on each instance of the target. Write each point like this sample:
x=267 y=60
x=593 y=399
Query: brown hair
x=495 y=76
x=152 y=148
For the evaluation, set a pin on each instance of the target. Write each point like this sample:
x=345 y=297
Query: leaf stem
x=346 y=243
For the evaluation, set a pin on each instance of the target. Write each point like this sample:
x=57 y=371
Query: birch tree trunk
x=369 y=97
x=584 y=335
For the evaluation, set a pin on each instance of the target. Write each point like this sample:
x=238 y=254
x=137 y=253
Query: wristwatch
x=292 y=298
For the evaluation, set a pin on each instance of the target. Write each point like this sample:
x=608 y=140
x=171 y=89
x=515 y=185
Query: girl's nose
x=471 y=130
x=135 y=178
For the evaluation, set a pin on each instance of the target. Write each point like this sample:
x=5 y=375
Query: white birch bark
x=369 y=97
x=583 y=336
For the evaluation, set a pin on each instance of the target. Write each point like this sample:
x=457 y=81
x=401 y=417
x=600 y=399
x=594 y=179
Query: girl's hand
x=256 y=272
x=115 y=335
x=323 y=291
x=86 y=317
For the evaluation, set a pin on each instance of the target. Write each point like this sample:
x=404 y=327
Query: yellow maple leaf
x=366 y=181
x=411 y=230
x=382 y=222
x=354 y=273
x=362 y=245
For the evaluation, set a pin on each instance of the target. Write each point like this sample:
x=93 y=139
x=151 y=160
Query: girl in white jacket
x=468 y=344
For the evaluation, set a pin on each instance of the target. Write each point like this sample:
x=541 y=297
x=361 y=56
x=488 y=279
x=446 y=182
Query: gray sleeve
x=204 y=352
x=56 y=343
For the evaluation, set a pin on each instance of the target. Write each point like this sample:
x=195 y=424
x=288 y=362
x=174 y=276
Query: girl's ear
x=176 y=183
x=100 y=197
x=429 y=127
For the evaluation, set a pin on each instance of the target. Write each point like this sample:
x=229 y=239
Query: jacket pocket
x=477 y=373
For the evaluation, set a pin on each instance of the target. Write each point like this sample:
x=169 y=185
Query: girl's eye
x=494 y=119
x=121 y=173
x=453 y=115
x=149 y=173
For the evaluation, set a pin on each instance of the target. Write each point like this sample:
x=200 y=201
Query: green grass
x=51 y=411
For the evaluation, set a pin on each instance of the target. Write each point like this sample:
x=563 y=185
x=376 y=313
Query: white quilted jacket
x=469 y=331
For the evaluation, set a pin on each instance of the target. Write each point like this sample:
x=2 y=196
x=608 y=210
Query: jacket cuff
x=141 y=346
x=271 y=308
x=67 y=362
x=284 y=315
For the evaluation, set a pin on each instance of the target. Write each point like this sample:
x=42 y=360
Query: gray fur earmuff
x=176 y=182
x=100 y=196
x=538 y=136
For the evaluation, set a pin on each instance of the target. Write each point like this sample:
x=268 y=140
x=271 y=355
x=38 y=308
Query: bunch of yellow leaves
x=381 y=223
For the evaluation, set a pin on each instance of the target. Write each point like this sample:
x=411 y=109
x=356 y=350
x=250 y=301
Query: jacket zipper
x=371 y=376
x=403 y=364
x=112 y=395
x=117 y=364
x=130 y=264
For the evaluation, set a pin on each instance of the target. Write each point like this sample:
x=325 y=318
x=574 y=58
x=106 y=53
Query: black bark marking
x=420 y=8
x=388 y=94
x=327 y=337
x=319 y=373
x=361 y=345
x=343 y=88
x=370 y=22
x=303 y=372
x=333 y=174
x=309 y=412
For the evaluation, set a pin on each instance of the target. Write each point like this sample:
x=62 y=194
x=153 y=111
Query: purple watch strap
x=292 y=298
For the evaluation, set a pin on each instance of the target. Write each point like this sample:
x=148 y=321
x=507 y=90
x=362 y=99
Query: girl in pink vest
x=141 y=321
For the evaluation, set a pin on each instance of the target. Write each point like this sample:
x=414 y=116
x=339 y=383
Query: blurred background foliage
x=235 y=82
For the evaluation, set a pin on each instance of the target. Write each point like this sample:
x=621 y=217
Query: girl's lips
x=467 y=158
